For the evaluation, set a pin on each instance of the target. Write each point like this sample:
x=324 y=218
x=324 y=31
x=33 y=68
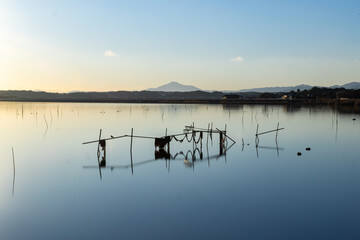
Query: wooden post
x=221 y=142
x=211 y=129
x=131 y=142
x=208 y=132
x=168 y=148
x=98 y=150
x=98 y=154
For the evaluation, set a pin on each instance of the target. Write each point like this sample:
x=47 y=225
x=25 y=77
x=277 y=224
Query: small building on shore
x=288 y=97
x=231 y=97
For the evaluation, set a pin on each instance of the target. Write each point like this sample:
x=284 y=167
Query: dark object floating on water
x=299 y=153
x=248 y=144
x=308 y=149
x=354 y=119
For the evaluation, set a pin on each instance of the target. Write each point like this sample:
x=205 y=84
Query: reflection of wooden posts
x=225 y=134
x=162 y=154
x=256 y=136
x=13 y=189
x=208 y=132
x=168 y=143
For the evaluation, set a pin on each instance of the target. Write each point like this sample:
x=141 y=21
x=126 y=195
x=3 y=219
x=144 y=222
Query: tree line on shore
x=118 y=96
x=315 y=93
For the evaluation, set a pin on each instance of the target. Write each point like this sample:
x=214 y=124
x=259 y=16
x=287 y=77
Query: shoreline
x=257 y=101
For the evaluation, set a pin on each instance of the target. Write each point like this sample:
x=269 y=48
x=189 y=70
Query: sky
x=88 y=45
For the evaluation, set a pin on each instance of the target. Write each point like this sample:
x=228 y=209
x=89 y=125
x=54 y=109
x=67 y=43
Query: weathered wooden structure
x=191 y=134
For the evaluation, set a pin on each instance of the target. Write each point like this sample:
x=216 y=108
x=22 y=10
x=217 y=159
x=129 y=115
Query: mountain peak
x=174 y=87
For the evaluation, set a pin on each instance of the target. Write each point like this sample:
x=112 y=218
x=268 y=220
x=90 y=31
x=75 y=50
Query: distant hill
x=352 y=85
x=302 y=87
x=174 y=87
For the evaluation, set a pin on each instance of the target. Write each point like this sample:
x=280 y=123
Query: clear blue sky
x=133 y=45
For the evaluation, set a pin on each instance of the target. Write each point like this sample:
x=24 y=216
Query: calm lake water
x=58 y=190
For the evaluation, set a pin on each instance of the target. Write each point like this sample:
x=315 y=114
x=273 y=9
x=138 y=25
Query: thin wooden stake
x=98 y=150
x=257 y=137
x=211 y=129
x=207 y=138
x=132 y=165
x=277 y=131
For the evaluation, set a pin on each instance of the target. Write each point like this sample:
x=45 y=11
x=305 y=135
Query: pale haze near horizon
x=219 y=45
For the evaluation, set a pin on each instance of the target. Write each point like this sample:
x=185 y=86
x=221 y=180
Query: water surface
x=248 y=192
